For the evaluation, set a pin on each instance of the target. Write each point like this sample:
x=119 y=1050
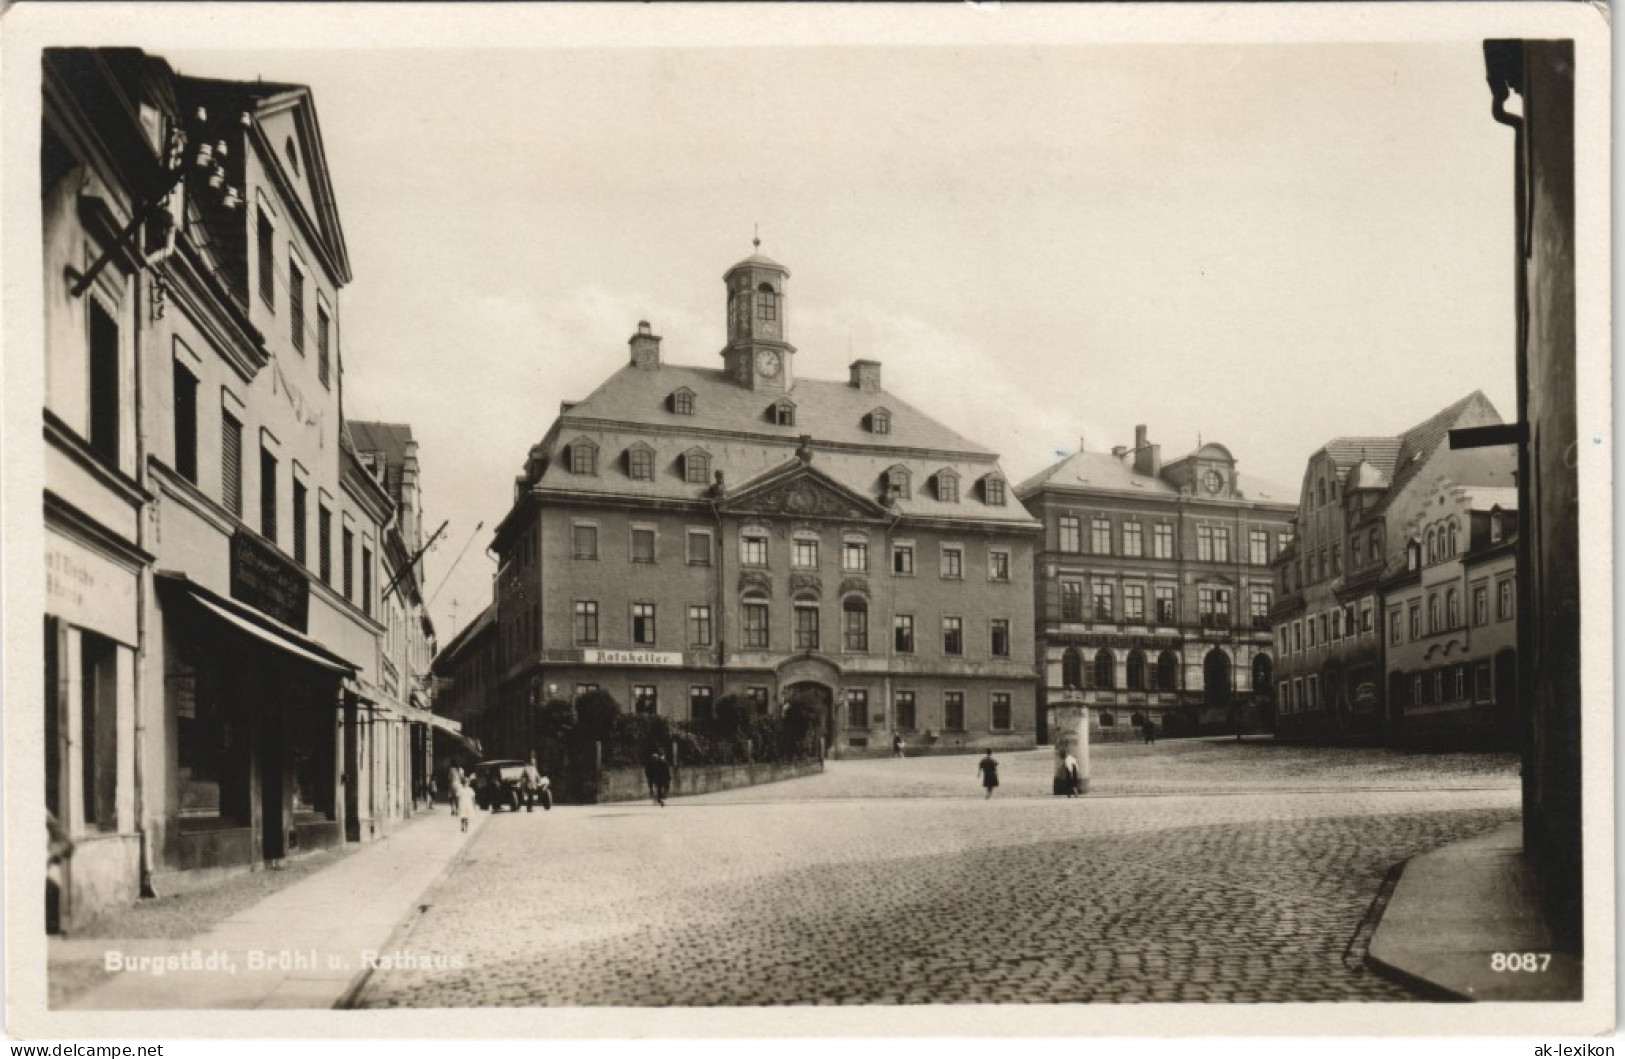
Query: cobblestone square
x=1194 y=871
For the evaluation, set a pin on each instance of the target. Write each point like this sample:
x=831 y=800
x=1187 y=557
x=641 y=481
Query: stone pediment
x=803 y=493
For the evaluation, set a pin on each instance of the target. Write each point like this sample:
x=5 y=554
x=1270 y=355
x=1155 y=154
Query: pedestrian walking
x=658 y=772
x=454 y=786
x=1150 y=730
x=465 y=804
x=1074 y=785
x=896 y=746
x=990 y=773
x=530 y=783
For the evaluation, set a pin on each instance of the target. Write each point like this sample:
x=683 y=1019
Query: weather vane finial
x=756 y=236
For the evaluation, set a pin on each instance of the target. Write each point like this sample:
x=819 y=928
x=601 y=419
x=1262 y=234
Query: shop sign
x=266 y=581
x=85 y=588
x=594 y=657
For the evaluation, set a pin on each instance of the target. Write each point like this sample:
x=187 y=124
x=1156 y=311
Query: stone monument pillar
x=1069 y=731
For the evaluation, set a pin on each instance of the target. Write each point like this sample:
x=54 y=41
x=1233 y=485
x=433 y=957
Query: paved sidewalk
x=303 y=946
x=1456 y=907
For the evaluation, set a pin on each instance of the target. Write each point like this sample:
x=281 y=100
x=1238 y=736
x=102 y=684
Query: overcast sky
x=1266 y=245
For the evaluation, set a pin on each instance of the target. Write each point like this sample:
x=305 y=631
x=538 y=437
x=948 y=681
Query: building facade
x=214 y=631
x=689 y=533
x=1154 y=586
x=1360 y=500
x=1450 y=662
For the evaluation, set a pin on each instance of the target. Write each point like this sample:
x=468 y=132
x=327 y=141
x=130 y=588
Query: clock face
x=767 y=362
x=1213 y=481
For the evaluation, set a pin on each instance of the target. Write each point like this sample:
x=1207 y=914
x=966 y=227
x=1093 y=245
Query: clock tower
x=757 y=355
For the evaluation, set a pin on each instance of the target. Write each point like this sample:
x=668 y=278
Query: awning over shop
x=265 y=629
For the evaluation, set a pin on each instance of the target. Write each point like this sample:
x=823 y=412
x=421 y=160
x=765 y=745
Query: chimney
x=645 y=348
x=1147 y=457
x=411 y=518
x=866 y=375
x=1081 y=446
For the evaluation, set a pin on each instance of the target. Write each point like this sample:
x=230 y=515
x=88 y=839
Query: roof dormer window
x=697 y=467
x=640 y=462
x=947 y=486
x=897 y=482
x=583 y=456
x=782 y=413
x=681 y=401
x=879 y=421
x=993 y=490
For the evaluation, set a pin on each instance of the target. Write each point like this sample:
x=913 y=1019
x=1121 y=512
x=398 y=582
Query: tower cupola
x=758 y=355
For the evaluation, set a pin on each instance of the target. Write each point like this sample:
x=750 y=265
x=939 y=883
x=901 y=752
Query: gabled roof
x=388 y=439
x=1420 y=441
x=1103 y=472
x=1347 y=453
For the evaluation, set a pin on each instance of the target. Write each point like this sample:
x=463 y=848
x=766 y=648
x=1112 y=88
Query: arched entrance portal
x=821 y=698
x=1216 y=686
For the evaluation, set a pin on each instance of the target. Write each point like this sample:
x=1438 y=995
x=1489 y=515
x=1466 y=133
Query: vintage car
x=501 y=783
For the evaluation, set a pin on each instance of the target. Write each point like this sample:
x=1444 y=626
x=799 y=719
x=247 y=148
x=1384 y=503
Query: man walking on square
x=658 y=773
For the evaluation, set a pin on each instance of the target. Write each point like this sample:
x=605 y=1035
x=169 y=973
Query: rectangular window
x=586 y=621
x=1355 y=556
x=1258 y=608
x=231 y=463
x=643 y=545
x=1367 y=617
x=1101 y=601
x=1204 y=543
x=1325 y=628
x=754 y=618
x=903 y=633
x=1167 y=605
x=998 y=566
x=953 y=563
x=948 y=488
x=1459 y=675
x=266 y=252
x=1071 y=600
x=643 y=623
x=366 y=580
x=701 y=706
x=1071 y=533
x=301 y=504
x=757 y=696
x=993 y=491
x=98 y=732
x=582 y=689
x=1284 y=693
x=696 y=465
x=1001 y=711
x=753 y=551
x=324 y=544
x=857 y=708
x=1258 y=547
x=1162 y=541
x=1337 y=559
x=1133 y=602
x=296 y=305
x=806 y=628
x=324 y=358
x=699 y=625
x=855 y=556
x=953 y=636
x=1297 y=693
x=640 y=464
x=953 y=711
x=804 y=554
x=699 y=548
x=1503 y=600
x=1133 y=539
x=855 y=631
x=902 y=559
x=1337 y=625
x=1314 y=692
x=1416 y=621
x=1483 y=689
x=347 y=562
x=185 y=423
x=584 y=541
x=1221 y=544
x=1100 y=535
x=646 y=699
x=1297 y=636
x=1309 y=623
x=1283 y=638
x=1481 y=605
x=104 y=384
x=904 y=703
x=1001 y=637
x=268 y=494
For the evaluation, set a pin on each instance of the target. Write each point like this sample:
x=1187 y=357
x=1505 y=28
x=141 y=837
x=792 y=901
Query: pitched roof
x=1425 y=437
x=389 y=439
x=1103 y=472
x=1347 y=453
x=731 y=423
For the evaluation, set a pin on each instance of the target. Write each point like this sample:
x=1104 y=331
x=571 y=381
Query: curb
x=351 y=997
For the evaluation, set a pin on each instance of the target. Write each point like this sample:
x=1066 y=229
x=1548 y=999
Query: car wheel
x=513 y=801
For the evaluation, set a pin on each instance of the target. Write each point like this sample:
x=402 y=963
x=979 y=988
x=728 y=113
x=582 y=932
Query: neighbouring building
x=1360 y=501
x=1451 y=645
x=213 y=626
x=404 y=731
x=465 y=677
x=686 y=533
x=1154 y=586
